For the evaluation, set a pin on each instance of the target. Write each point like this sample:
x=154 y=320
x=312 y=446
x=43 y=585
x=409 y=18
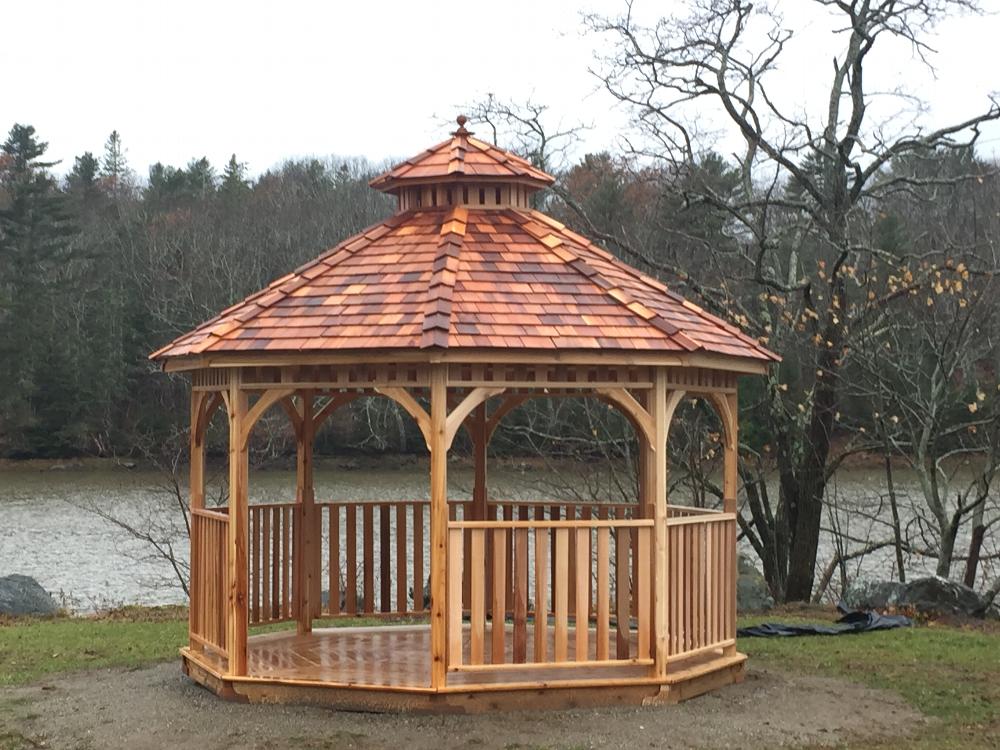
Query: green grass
x=947 y=673
x=32 y=649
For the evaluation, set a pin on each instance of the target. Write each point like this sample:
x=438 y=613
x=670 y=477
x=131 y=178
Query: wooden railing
x=208 y=578
x=273 y=529
x=701 y=583
x=575 y=570
x=375 y=557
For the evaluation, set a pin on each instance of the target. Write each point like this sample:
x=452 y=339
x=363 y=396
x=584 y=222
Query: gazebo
x=461 y=306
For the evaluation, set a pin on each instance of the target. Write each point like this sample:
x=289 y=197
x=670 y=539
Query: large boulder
x=22 y=595
x=752 y=594
x=932 y=596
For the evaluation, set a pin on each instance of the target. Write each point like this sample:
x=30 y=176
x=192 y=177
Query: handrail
x=712 y=518
x=581 y=523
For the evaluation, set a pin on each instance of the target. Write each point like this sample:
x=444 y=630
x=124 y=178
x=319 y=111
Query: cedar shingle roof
x=466 y=278
x=462 y=156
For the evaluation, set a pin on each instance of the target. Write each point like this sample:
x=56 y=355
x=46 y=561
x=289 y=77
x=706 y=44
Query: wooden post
x=480 y=442
x=439 y=525
x=307 y=545
x=730 y=478
x=196 y=501
x=236 y=570
x=657 y=456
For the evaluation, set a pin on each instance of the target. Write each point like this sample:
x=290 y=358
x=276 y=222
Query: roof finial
x=461 y=120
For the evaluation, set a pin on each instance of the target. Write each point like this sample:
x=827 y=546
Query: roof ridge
x=436 y=327
x=653 y=283
x=608 y=287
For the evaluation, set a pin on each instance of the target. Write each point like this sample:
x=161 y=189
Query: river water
x=51 y=527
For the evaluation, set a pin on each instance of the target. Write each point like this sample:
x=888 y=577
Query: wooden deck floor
x=397 y=657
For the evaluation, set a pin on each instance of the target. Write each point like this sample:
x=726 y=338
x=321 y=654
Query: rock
x=22 y=595
x=931 y=595
x=873 y=594
x=752 y=594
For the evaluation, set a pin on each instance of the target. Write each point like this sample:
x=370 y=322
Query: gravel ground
x=157 y=707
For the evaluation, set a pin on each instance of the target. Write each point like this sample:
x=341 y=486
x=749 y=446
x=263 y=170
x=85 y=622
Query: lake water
x=49 y=528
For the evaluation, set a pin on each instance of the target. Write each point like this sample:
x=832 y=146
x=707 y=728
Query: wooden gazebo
x=459 y=307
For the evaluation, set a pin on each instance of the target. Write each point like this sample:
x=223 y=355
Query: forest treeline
x=99 y=267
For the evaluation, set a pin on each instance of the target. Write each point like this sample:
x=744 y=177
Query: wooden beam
x=236 y=569
x=436 y=434
x=293 y=415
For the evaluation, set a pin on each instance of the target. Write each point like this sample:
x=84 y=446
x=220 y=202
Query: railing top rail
x=712 y=518
x=694 y=511
x=593 y=523
x=213 y=514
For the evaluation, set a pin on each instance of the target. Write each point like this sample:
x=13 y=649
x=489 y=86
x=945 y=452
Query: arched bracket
x=674 y=399
x=625 y=401
x=205 y=411
x=403 y=397
x=266 y=401
x=458 y=415
x=727 y=416
x=336 y=401
x=506 y=407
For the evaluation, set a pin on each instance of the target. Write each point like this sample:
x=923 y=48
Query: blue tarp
x=850 y=622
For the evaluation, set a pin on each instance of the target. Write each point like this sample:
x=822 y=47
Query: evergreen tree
x=234 y=180
x=34 y=245
x=114 y=165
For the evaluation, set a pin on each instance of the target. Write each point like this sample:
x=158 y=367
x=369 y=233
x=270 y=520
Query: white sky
x=377 y=79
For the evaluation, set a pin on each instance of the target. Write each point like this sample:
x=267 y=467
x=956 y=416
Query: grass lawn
x=949 y=673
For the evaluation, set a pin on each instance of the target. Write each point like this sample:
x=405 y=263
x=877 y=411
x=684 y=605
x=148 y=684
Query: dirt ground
x=157 y=707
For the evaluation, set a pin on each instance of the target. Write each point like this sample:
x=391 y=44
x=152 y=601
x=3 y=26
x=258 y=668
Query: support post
x=306 y=547
x=439 y=524
x=236 y=568
x=730 y=477
x=196 y=501
x=480 y=442
x=660 y=412
x=730 y=488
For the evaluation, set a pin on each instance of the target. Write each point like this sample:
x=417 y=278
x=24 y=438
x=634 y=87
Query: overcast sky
x=275 y=80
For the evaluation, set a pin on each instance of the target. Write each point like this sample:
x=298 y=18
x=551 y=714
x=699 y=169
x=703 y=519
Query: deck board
x=397 y=656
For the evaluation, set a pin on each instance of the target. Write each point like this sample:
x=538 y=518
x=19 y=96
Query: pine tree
x=34 y=243
x=234 y=181
x=114 y=165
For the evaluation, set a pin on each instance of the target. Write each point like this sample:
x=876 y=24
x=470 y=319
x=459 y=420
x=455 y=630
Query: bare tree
x=808 y=183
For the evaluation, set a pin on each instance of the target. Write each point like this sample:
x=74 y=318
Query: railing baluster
x=603 y=591
x=560 y=582
x=582 y=624
x=334 y=587
x=455 y=550
x=401 y=578
x=384 y=559
x=368 y=558
x=477 y=614
x=623 y=596
x=351 y=595
x=499 y=596
x=520 y=574
x=541 y=632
